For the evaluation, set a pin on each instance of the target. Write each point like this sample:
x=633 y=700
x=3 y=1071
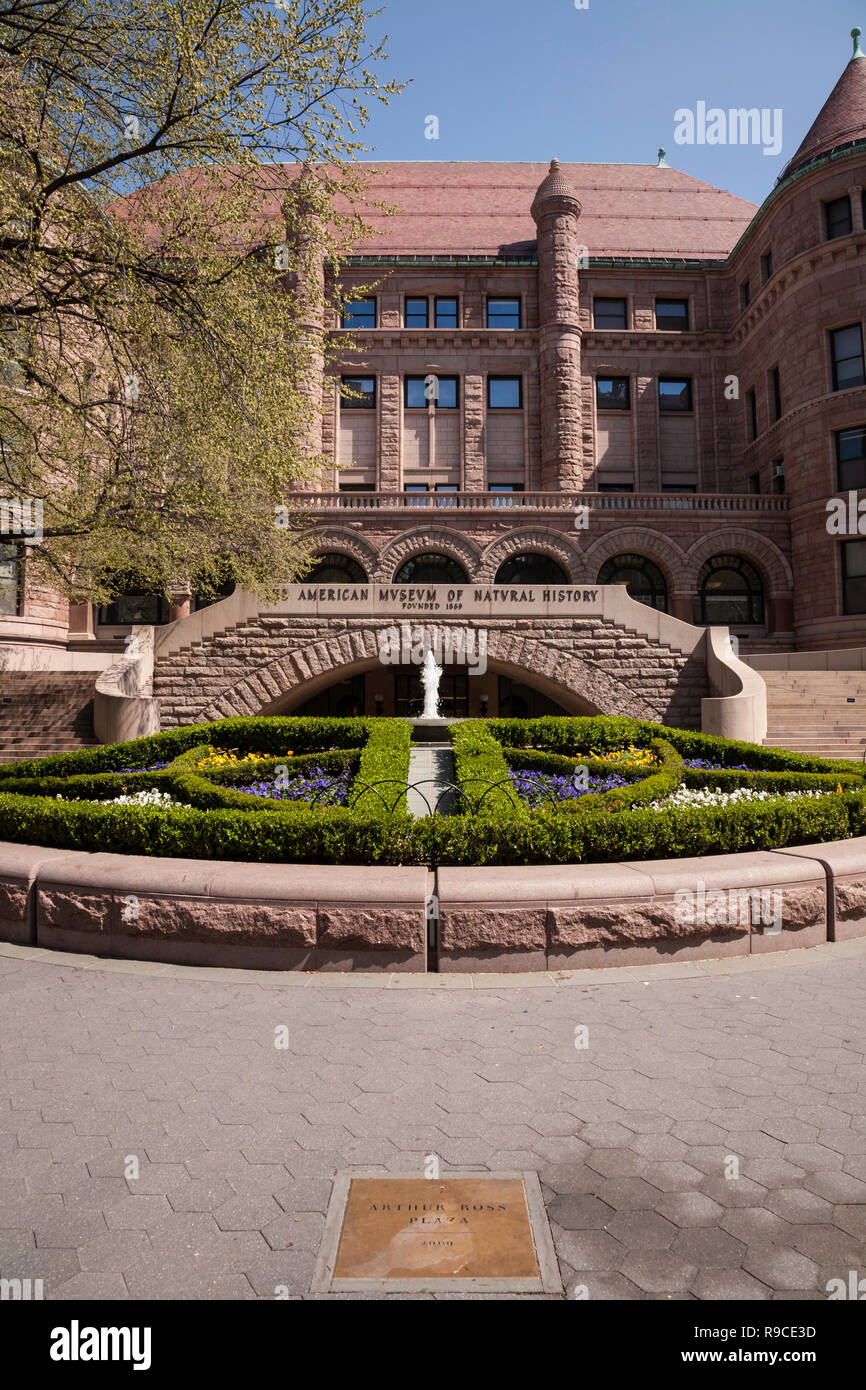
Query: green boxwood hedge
x=218 y=821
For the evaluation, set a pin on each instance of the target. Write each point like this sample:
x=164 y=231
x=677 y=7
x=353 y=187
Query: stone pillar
x=780 y=613
x=302 y=211
x=855 y=193
x=474 y=479
x=390 y=433
x=180 y=602
x=556 y=210
x=683 y=607
x=82 y=622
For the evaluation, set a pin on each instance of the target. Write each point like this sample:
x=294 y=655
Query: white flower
x=143 y=798
x=703 y=796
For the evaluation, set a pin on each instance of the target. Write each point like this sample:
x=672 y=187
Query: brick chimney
x=556 y=209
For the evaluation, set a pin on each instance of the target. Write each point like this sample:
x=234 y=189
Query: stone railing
x=339 y=917
x=123 y=703
x=559 y=502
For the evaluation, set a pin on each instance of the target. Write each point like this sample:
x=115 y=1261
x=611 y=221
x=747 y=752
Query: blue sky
x=530 y=79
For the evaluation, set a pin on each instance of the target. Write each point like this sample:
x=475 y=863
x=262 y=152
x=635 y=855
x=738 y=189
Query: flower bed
x=546 y=791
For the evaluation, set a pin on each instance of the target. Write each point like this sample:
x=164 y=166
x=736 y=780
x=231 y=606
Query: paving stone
x=796 y=1204
x=709 y=1247
x=642 y=1230
x=576 y=1213
x=779 y=1268
x=589 y=1249
x=659 y=1271
x=238 y=1148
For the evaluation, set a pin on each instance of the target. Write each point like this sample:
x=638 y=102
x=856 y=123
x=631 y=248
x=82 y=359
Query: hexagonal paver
x=779 y=1268
x=642 y=1230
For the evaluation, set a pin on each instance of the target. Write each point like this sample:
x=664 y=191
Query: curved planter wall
x=321 y=917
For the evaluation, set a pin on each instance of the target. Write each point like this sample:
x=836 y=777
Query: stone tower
x=556 y=209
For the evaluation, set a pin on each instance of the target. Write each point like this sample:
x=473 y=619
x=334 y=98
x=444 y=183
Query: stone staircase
x=45 y=712
x=818 y=712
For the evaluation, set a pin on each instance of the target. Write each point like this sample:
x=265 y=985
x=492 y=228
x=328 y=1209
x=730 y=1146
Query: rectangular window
x=837 y=215
x=420 y=390
x=446 y=313
x=777 y=475
x=751 y=415
x=357 y=487
x=675 y=393
x=854 y=576
x=448 y=393
x=754 y=483
x=846 y=345
x=359 y=313
x=672 y=315
x=851 y=459
x=615 y=487
x=358 y=393
x=503 y=313
x=766 y=266
x=679 y=487
x=504 y=392
x=612 y=393
x=776 y=393
x=10 y=581
x=745 y=295
x=417 y=313
x=610 y=313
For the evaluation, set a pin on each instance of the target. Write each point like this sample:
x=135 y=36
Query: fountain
x=431 y=674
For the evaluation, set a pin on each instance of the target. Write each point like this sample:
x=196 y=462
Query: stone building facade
x=592 y=374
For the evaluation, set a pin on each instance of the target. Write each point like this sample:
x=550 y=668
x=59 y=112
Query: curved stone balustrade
x=325 y=917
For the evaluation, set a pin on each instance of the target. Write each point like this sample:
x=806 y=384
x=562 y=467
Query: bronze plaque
x=436 y=1228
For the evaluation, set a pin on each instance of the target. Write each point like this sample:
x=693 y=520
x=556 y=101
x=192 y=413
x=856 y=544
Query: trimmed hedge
x=221 y=822
x=575 y=736
x=479 y=766
x=256 y=735
x=385 y=761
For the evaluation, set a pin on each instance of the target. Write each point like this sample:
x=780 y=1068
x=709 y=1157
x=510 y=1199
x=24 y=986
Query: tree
x=173 y=176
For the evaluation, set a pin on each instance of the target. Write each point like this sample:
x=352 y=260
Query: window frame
x=599 y=406
x=369 y=403
x=446 y=299
x=846 y=485
x=829 y=234
x=504 y=299
x=844 y=550
x=491 y=380
x=836 y=361
x=688 y=408
x=609 y=299
x=361 y=327
x=13 y=554
x=663 y=299
x=416 y=299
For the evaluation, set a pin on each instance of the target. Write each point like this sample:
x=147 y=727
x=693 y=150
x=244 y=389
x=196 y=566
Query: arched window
x=531 y=568
x=335 y=568
x=10 y=581
x=644 y=580
x=430 y=568
x=729 y=591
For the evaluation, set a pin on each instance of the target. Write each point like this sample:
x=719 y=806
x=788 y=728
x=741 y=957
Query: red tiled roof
x=484 y=209
x=841 y=118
